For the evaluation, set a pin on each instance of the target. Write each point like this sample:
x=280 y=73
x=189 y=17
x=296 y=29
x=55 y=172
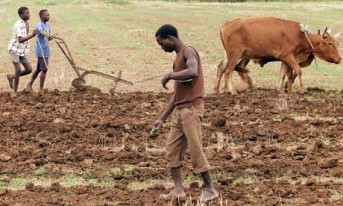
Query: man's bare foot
x=175 y=194
x=208 y=194
x=10 y=79
x=13 y=94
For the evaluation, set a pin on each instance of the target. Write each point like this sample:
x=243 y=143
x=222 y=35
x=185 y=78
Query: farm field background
x=62 y=147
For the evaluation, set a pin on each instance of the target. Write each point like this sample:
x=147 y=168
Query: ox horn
x=318 y=31
x=325 y=30
x=325 y=34
x=338 y=35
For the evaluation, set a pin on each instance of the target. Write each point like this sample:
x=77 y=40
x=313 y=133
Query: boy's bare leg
x=27 y=69
x=42 y=80
x=178 y=191
x=17 y=74
x=10 y=78
x=33 y=78
x=15 y=78
x=209 y=193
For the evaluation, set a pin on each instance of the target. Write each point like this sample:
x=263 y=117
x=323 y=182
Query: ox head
x=327 y=49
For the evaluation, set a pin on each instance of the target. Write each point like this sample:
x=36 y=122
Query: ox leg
x=283 y=71
x=243 y=72
x=294 y=77
x=290 y=80
x=232 y=62
x=220 y=71
x=295 y=66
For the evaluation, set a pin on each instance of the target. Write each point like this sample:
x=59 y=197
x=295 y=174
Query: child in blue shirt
x=42 y=49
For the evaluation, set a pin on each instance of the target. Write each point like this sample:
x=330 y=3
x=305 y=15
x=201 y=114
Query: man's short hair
x=167 y=30
x=41 y=12
x=22 y=9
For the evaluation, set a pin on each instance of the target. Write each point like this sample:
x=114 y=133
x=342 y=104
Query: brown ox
x=271 y=39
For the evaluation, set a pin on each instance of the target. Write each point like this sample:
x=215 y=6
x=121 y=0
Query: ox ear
x=318 y=31
x=328 y=31
x=336 y=36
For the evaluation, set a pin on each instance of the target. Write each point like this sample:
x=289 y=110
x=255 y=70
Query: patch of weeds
x=40 y=170
x=92 y=181
x=116 y=170
x=90 y=172
x=141 y=185
x=18 y=182
x=318 y=116
x=117 y=2
x=218 y=175
x=244 y=180
x=2 y=184
x=128 y=170
x=188 y=179
x=337 y=194
x=240 y=142
x=106 y=182
x=277 y=118
x=72 y=180
x=326 y=141
x=295 y=114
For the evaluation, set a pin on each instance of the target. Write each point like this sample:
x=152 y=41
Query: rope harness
x=304 y=28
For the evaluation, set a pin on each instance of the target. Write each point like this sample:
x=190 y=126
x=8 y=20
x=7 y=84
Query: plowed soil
x=265 y=150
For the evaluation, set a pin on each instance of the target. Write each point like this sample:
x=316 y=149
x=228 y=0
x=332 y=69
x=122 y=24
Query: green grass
x=137 y=185
x=90 y=172
x=188 y=179
x=118 y=2
x=326 y=141
x=106 y=181
x=218 y=174
x=244 y=180
x=41 y=170
x=20 y=181
x=116 y=170
x=72 y=180
x=128 y=170
x=2 y=184
x=336 y=194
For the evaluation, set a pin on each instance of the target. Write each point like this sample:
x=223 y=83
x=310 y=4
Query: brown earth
x=265 y=150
